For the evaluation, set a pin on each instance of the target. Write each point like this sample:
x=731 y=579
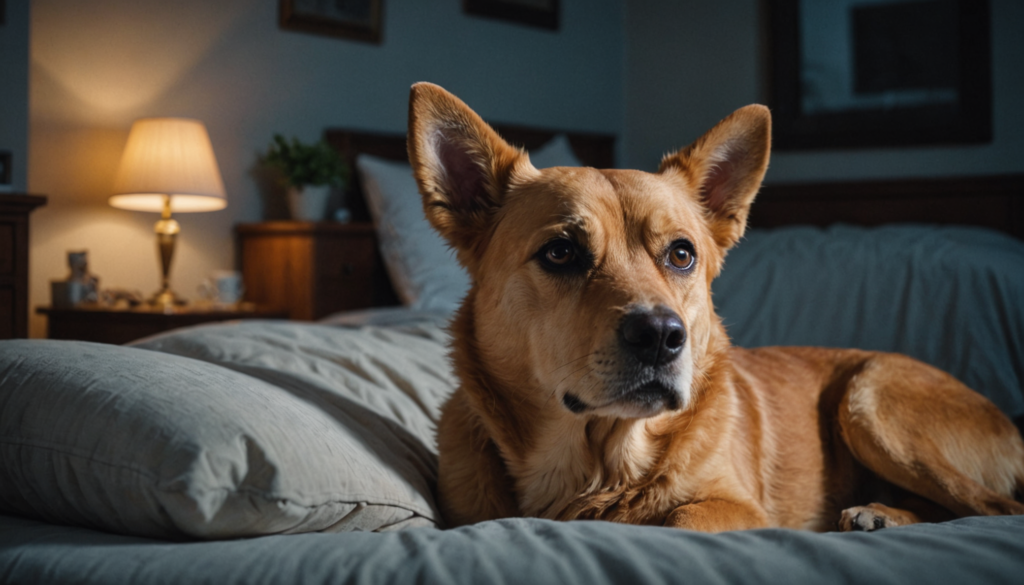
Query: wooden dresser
x=14 y=210
x=313 y=269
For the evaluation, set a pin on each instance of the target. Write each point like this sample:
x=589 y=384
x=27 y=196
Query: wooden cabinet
x=14 y=210
x=313 y=269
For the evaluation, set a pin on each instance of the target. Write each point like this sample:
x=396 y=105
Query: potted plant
x=310 y=171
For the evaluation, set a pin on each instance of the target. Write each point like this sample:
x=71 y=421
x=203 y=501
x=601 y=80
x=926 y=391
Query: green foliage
x=316 y=164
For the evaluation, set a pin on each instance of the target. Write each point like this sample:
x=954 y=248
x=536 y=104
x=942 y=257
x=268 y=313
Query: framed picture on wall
x=357 y=20
x=541 y=13
x=3 y=11
x=884 y=73
x=6 y=171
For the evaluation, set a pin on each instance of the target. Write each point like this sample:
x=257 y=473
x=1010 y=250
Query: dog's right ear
x=725 y=167
x=463 y=168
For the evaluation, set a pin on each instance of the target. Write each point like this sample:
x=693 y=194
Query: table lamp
x=168 y=166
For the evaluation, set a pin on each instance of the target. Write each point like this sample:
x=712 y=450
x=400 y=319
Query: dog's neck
x=574 y=456
x=556 y=457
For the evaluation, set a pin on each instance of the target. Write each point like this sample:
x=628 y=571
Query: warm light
x=168 y=157
x=167 y=166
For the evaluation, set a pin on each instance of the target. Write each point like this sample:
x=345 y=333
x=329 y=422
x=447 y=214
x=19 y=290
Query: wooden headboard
x=592 y=149
x=995 y=202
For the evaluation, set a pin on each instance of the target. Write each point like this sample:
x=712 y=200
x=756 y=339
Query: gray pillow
x=272 y=440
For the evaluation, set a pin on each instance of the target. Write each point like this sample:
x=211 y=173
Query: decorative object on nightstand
x=168 y=166
x=14 y=210
x=120 y=324
x=313 y=269
x=224 y=288
x=79 y=286
x=310 y=172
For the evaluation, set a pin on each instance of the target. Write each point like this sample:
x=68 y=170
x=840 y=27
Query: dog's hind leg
x=922 y=430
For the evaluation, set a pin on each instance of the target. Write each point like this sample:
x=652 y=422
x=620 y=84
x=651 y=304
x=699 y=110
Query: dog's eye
x=562 y=256
x=559 y=252
x=681 y=255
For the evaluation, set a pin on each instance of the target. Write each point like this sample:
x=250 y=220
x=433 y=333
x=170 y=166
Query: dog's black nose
x=653 y=336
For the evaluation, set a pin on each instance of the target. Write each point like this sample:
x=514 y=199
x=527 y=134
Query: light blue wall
x=691 y=63
x=96 y=65
x=14 y=89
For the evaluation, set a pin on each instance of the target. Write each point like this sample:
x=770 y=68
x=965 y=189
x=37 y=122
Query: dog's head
x=591 y=288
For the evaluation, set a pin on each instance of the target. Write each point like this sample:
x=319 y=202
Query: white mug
x=223 y=287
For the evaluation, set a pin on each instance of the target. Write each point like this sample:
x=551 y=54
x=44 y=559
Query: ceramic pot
x=308 y=203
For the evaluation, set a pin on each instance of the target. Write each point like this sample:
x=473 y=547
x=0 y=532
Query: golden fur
x=561 y=413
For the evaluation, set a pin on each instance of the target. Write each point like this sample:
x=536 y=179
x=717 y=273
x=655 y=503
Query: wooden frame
x=6 y=170
x=964 y=115
x=523 y=12
x=364 y=23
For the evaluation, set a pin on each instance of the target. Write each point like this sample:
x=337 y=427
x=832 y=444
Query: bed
x=287 y=452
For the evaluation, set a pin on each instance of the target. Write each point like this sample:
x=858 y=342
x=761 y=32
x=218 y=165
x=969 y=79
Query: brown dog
x=597 y=381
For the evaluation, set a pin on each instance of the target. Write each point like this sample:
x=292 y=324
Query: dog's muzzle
x=651 y=340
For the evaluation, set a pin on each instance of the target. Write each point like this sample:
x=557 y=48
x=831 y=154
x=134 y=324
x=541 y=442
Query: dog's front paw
x=866 y=519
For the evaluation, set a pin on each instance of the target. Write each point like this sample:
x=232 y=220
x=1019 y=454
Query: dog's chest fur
x=575 y=460
x=633 y=471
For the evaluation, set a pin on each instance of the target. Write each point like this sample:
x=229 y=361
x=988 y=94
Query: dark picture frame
x=3 y=12
x=357 y=20
x=6 y=172
x=964 y=65
x=539 y=13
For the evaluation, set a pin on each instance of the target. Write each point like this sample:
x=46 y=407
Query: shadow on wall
x=98 y=72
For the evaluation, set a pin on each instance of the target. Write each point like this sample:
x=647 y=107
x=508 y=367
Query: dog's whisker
x=570 y=362
x=574 y=384
x=559 y=383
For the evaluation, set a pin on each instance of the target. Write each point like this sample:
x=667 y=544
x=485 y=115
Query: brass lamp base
x=166 y=233
x=166 y=298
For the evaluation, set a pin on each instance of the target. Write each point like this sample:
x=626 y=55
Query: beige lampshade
x=168 y=156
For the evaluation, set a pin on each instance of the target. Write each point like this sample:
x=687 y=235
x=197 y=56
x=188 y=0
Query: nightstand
x=313 y=269
x=121 y=325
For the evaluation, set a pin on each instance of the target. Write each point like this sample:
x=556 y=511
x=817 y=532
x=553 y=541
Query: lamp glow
x=168 y=166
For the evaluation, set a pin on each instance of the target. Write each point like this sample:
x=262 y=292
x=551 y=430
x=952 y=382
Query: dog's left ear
x=725 y=168
x=463 y=168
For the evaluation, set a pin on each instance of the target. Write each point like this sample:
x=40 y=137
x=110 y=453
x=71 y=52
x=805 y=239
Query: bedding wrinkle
x=362 y=375
x=348 y=413
x=947 y=296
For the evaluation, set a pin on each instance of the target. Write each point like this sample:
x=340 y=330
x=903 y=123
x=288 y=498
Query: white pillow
x=422 y=267
x=303 y=430
x=557 y=152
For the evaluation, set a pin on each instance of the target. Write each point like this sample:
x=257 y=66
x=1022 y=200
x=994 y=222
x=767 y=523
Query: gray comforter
x=971 y=550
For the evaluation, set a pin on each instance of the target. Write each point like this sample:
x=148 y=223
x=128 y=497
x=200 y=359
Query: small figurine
x=80 y=286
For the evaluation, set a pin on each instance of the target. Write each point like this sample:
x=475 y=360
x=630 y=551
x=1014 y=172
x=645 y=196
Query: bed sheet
x=527 y=551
